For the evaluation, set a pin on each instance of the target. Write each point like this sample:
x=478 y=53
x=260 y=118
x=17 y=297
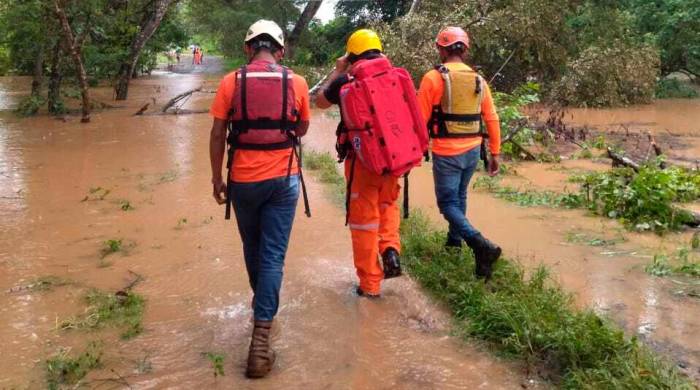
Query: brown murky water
x=195 y=285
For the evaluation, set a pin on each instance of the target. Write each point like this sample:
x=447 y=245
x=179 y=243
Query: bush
x=643 y=200
x=673 y=88
x=614 y=75
x=30 y=105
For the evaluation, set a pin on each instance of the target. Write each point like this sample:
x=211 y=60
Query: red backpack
x=383 y=124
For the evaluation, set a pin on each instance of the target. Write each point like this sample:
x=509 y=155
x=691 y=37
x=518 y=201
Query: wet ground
x=195 y=285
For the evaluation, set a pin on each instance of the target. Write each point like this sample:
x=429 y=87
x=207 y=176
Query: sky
x=327 y=11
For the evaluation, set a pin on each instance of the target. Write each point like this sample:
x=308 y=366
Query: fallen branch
x=317 y=87
x=179 y=97
x=142 y=109
x=527 y=153
x=620 y=160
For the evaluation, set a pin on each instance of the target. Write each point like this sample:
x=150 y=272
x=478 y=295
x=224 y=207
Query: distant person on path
x=372 y=187
x=264 y=176
x=457 y=99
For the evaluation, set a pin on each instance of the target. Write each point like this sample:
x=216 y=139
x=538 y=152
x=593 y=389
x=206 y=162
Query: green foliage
x=695 y=241
x=644 y=200
x=125 y=205
x=670 y=88
x=122 y=310
x=217 y=362
x=674 y=26
x=323 y=43
x=325 y=167
x=682 y=264
x=532 y=318
x=30 y=105
x=62 y=369
x=530 y=197
x=226 y=22
x=583 y=238
x=111 y=246
x=615 y=74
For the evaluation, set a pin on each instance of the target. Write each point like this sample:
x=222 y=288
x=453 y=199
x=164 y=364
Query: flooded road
x=191 y=260
x=195 y=284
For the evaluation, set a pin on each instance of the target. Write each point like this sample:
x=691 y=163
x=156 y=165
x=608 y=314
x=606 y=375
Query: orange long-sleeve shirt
x=430 y=94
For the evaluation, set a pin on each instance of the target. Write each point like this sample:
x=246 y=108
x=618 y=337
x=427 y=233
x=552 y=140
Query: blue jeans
x=452 y=175
x=265 y=213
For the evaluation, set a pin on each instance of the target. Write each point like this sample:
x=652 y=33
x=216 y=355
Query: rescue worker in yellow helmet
x=458 y=100
x=373 y=213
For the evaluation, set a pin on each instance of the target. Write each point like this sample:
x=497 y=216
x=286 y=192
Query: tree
x=75 y=45
x=148 y=26
x=301 y=25
x=365 y=12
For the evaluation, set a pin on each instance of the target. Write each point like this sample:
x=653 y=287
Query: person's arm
x=341 y=68
x=217 y=147
x=425 y=97
x=493 y=127
x=217 y=140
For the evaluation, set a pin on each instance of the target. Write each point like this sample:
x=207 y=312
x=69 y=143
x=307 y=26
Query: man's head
x=264 y=35
x=452 y=42
x=363 y=44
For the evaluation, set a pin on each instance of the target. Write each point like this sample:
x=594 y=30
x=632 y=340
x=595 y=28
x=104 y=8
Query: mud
x=195 y=284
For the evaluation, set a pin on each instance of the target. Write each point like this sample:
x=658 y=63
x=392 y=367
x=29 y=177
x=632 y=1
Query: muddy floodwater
x=198 y=299
x=197 y=294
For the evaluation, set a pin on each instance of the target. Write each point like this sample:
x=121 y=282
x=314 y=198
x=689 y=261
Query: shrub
x=673 y=88
x=614 y=75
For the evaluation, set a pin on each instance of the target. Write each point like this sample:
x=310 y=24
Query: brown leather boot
x=260 y=356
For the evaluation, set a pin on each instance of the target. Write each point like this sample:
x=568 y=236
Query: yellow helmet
x=362 y=40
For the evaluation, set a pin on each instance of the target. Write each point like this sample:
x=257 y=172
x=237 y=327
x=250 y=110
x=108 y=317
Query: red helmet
x=448 y=36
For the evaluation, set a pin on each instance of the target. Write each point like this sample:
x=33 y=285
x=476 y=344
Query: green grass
x=217 y=362
x=528 y=197
x=63 y=369
x=583 y=238
x=682 y=263
x=325 y=167
x=112 y=246
x=124 y=311
x=532 y=318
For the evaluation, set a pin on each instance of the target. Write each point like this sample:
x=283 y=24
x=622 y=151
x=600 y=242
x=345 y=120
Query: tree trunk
x=54 y=96
x=76 y=53
x=38 y=79
x=309 y=11
x=148 y=27
x=414 y=7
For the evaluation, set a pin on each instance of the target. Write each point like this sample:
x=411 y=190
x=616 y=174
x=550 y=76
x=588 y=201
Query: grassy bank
x=527 y=318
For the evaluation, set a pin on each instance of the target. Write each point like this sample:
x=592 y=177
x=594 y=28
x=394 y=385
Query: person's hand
x=342 y=64
x=219 y=189
x=494 y=166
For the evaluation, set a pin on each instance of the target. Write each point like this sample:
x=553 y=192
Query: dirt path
x=195 y=284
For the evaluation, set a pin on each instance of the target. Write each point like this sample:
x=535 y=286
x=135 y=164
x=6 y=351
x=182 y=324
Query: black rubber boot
x=485 y=254
x=392 y=263
x=361 y=293
x=453 y=243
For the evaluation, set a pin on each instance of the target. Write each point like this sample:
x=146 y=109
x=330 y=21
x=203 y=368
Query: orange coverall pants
x=374 y=222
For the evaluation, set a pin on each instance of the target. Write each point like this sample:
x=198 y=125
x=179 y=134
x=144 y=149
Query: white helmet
x=268 y=27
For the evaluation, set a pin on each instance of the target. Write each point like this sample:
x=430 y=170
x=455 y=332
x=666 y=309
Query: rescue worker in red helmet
x=457 y=101
x=266 y=108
